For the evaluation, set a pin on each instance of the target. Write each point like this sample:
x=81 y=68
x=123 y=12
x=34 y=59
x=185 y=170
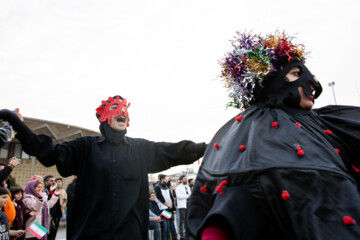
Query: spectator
x=177 y=215
x=49 y=183
x=63 y=194
x=183 y=192
x=4 y=173
x=70 y=191
x=154 y=208
x=57 y=210
x=37 y=206
x=164 y=199
x=191 y=183
x=20 y=218
x=36 y=177
x=155 y=218
x=4 y=222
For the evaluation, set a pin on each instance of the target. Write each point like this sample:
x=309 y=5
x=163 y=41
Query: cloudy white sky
x=59 y=59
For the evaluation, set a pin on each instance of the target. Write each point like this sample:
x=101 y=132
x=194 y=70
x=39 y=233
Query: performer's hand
x=17 y=112
x=157 y=219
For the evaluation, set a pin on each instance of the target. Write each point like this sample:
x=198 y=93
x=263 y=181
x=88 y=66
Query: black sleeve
x=5 y=134
x=66 y=155
x=162 y=155
x=159 y=194
x=5 y=173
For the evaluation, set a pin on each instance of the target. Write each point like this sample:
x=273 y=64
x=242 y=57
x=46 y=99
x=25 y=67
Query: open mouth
x=120 y=119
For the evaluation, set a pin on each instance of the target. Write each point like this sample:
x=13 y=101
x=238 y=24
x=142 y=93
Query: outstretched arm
x=65 y=155
x=162 y=155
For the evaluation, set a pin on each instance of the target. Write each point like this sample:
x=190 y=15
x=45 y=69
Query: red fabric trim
x=215 y=233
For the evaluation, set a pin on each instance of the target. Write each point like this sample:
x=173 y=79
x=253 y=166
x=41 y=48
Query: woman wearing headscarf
x=278 y=170
x=37 y=206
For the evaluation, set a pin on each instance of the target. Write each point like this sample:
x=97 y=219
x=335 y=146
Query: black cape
x=321 y=182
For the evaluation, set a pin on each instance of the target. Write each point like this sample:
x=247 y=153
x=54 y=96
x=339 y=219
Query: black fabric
x=5 y=173
x=321 y=183
x=279 y=92
x=70 y=191
x=112 y=184
x=110 y=134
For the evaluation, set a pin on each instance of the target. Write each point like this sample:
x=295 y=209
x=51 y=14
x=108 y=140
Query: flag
x=37 y=230
x=166 y=214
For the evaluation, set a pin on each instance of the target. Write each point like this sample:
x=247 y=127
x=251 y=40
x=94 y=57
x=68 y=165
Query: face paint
x=113 y=107
x=279 y=91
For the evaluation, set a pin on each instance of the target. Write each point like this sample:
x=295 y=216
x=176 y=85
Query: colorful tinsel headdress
x=252 y=61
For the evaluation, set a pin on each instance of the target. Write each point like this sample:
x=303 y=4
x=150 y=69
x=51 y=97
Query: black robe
x=296 y=175
x=112 y=191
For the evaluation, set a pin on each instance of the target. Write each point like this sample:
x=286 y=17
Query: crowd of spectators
x=168 y=207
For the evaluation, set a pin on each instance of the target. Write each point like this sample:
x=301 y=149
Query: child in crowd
x=5 y=233
x=20 y=219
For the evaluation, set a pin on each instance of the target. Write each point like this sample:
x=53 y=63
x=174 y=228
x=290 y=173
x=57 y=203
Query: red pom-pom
x=298 y=148
x=285 y=195
x=300 y=153
x=328 y=132
x=348 y=220
x=355 y=168
x=275 y=125
x=337 y=150
x=203 y=188
x=298 y=124
x=216 y=145
x=242 y=148
x=219 y=188
x=239 y=118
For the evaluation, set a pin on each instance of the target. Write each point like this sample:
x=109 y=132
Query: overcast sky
x=59 y=59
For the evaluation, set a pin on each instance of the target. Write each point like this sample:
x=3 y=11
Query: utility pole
x=332 y=84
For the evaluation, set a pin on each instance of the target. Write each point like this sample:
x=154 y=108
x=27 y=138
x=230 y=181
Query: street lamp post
x=332 y=84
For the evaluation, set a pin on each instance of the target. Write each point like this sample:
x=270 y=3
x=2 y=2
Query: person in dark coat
x=111 y=196
x=279 y=169
x=70 y=191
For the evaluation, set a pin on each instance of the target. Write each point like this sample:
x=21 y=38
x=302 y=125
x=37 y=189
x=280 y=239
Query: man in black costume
x=278 y=170
x=111 y=196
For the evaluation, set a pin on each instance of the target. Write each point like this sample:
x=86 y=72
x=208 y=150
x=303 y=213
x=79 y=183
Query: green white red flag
x=166 y=214
x=37 y=230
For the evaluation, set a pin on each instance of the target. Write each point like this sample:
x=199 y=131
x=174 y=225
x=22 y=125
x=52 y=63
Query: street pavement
x=61 y=234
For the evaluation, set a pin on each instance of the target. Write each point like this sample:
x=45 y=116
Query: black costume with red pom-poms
x=289 y=183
